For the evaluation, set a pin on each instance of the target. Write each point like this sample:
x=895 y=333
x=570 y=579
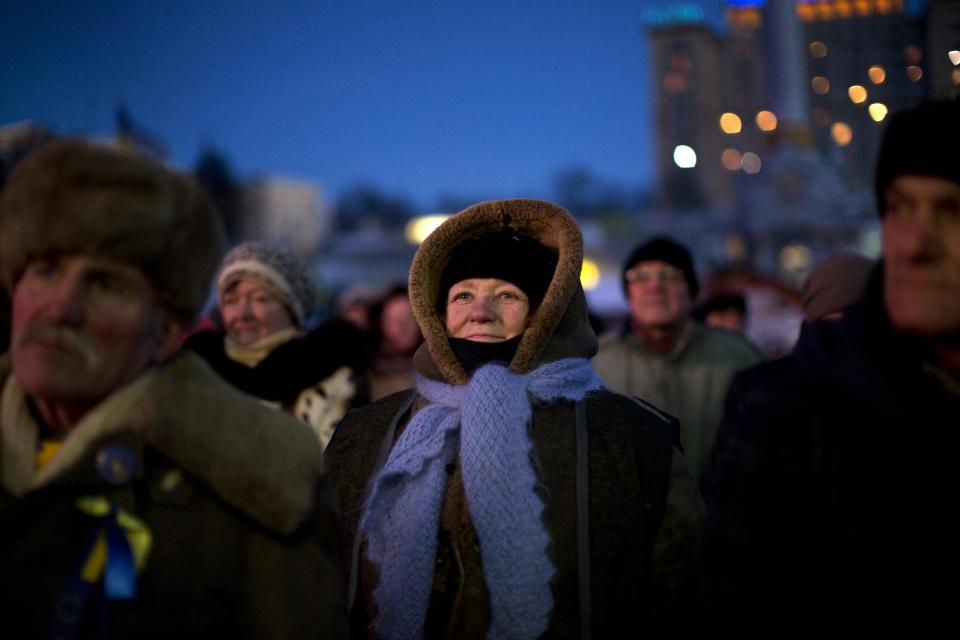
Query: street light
x=420 y=227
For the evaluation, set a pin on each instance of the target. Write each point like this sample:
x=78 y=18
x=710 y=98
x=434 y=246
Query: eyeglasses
x=643 y=275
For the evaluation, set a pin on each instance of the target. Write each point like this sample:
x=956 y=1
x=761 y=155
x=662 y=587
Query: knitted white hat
x=278 y=267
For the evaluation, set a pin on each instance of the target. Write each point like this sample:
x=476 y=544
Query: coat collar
x=262 y=461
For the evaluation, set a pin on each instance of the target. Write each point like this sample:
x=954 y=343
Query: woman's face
x=399 y=326
x=486 y=310
x=252 y=312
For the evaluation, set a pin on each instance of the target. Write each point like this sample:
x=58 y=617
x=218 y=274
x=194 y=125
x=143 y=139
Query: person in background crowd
x=140 y=495
x=663 y=357
x=831 y=487
x=723 y=311
x=510 y=495
x=836 y=283
x=353 y=305
x=265 y=296
x=393 y=337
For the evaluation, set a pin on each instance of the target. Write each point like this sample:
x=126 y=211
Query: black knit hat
x=666 y=250
x=924 y=141
x=506 y=255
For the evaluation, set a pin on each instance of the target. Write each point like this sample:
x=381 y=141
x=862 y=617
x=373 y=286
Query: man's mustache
x=65 y=338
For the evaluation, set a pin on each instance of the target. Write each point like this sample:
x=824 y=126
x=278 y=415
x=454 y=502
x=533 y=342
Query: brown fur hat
x=72 y=196
x=559 y=328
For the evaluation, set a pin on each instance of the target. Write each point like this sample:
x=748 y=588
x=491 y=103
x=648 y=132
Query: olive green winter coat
x=245 y=537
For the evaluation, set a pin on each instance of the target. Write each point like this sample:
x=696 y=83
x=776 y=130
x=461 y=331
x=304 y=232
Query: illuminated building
x=817 y=73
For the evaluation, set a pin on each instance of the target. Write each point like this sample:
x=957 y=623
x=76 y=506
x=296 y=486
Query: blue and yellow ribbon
x=119 y=550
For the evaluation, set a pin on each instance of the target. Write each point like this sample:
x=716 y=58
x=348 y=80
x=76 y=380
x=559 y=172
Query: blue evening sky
x=482 y=98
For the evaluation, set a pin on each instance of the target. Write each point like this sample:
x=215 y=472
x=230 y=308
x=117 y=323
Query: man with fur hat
x=832 y=485
x=666 y=358
x=266 y=296
x=510 y=494
x=140 y=496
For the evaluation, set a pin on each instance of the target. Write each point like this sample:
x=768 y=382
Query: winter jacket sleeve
x=677 y=548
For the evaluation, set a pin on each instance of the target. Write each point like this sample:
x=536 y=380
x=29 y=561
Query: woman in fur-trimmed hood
x=510 y=494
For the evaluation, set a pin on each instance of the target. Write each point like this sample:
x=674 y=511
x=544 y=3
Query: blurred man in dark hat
x=663 y=357
x=830 y=490
x=140 y=496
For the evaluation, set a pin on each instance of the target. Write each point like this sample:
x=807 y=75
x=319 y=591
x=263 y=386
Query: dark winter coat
x=245 y=537
x=643 y=507
x=304 y=376
x=829 y=493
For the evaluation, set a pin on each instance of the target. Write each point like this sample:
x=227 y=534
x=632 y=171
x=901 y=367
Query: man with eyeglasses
x=663 y=357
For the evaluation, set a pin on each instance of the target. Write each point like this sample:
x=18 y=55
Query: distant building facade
x=821 y=74
x=285 y=210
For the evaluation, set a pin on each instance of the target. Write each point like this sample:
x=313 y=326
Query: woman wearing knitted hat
x=265 y=297
x=510 y=494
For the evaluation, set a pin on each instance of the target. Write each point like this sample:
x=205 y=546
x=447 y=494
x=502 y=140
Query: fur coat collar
x=261 y=461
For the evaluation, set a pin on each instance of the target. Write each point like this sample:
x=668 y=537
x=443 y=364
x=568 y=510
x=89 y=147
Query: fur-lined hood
x=261 y=461
x=559 y=328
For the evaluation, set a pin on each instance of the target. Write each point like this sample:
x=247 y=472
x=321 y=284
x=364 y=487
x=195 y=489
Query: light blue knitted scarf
x=485 y=420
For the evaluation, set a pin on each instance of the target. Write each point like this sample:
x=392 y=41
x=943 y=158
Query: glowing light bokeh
x=730 y=123
x=684 y=157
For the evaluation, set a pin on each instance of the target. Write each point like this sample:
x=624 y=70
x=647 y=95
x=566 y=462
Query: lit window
x=730 y=158
x=878 y=111
x=913 y=53
x=914 y=72
x=818 y=49
x=730 y=123
x=956 y=77
x=877 y=74
x=684 y=157
x=841 y=133
x=674 y=82
x=766 y=121
x=954 y=57
x=844 y=8
x=750 y=162
x=863 y=7
x=857 y=94
x=821 y=86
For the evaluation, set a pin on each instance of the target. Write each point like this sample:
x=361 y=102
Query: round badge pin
x=116 y=463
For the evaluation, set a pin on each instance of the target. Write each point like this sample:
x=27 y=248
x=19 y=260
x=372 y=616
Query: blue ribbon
x=119 y=580
x=120 y=574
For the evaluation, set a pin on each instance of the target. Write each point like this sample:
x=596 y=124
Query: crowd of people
x=462 y=455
